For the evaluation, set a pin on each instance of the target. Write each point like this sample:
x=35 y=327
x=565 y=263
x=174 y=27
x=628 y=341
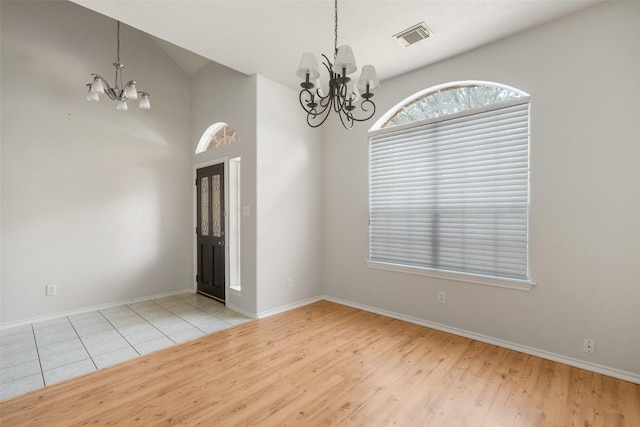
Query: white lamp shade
x=92 y=96
x=368 y=76
x=130 y=90
x=122 y=106
x=144 y=102
x=345 y=59
x=97 y=85
x=308 y=64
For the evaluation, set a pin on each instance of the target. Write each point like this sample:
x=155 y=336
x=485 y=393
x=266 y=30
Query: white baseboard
x=594 y=367
x=240 y=310
x=282 y=309
x=93 y=308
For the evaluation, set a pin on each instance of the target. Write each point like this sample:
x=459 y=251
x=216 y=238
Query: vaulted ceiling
x=267 y=37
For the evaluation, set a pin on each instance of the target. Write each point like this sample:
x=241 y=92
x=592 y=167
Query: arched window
x=216 y=135
x=449 y=99
x=449 y=184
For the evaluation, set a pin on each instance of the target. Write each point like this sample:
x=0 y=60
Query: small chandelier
x=120 y=92
x=342 y=94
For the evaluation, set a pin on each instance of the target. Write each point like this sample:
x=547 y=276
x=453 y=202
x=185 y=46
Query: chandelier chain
x=335 y=31
x=118 y=38
x=118 y=69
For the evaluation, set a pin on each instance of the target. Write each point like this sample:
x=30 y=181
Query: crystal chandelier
x=120 y=92
x=342 y=96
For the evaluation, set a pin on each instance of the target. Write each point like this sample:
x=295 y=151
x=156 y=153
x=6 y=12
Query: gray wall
x=281 y=184
x=289 y=210
x=94 y=200
x=220 y=94
x=582 y=73
x=100 y=202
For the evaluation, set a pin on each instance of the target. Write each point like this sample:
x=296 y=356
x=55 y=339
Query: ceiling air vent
x=414 y=34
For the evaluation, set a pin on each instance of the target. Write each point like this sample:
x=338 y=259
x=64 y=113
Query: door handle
x=221 y=243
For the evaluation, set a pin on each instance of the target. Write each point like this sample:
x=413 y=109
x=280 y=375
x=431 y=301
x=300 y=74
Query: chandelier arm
x=102 y=79
x=362 y=107
x=313 y=113
x=108 y=90
x=349 y=118
x=342 y=100
x=310 y=117
x=325 y=102
x=303 y=102
x=328 y=65
x=310 y=97
x=338 y=104
x=328 y=104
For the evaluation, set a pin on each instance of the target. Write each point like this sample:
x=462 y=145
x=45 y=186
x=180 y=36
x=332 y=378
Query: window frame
x=378 y=129
x=208 y=135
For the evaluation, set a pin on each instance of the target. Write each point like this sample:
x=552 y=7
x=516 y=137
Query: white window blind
x=453 y=194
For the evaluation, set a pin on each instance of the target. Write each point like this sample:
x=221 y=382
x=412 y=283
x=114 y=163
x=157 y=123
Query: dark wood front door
x=210 y=231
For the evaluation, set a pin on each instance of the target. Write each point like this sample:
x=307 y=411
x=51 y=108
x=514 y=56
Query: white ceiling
x=267 y=37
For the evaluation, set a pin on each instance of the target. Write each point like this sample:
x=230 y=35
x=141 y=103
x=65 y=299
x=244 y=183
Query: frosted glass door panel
x=204 y=206
x=215 y=210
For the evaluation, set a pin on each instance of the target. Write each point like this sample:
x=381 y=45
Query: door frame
x=225 y=161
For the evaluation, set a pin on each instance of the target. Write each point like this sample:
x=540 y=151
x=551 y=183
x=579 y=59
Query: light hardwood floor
x=327 y=364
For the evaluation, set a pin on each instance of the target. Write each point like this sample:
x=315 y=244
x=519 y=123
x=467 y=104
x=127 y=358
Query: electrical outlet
x=290 y=282
x=441 y=297
x=50 y=290
x=589 y=346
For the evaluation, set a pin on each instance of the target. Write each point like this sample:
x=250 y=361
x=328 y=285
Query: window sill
x=521 y=285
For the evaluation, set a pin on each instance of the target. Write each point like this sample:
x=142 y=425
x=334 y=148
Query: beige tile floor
x=39 y=354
